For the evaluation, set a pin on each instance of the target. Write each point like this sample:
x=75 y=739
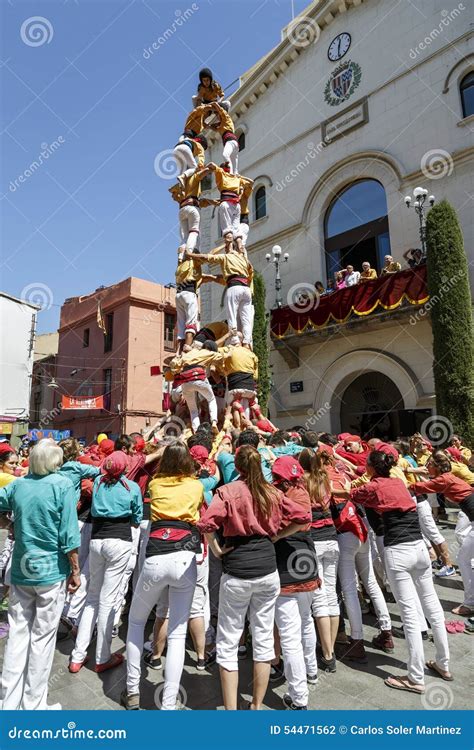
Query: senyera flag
x=82 y=402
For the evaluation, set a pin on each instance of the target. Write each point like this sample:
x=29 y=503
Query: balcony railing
x=403 y=289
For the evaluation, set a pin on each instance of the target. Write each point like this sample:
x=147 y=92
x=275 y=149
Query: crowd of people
x=349 y=276
x=257 y=541
x=260 y=542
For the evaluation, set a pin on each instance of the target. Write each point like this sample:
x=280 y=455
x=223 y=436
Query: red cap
x=199 y=453
x=455 y=453
x=106 y=447
x=287 y=467
x=323 y=448
x=115 y=464
x=265 y=425
x=352 y=438
x=388 y=449
x=139 y=443
x=5 y=448
x=344 y=436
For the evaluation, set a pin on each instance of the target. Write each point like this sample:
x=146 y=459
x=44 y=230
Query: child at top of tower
x=209 y=90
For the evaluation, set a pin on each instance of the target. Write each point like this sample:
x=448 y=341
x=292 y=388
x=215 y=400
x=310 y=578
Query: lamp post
x=276 y=252
x=419 y=195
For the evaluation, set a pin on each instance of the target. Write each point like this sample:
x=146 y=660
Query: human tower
x=218 y=354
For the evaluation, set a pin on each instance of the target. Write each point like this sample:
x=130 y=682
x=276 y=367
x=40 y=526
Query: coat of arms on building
x=342 y=83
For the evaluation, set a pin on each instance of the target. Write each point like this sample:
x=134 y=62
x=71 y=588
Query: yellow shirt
x=198 y=358
x=189 y=270
x=6 y=478
x=219 y=328
x=226 y=181
x=392 y=267
x=198 y=153
x=368 y=275
x=396 y=472
x=466 y=452
x=246 y=188
x=240 y=359
x=195 y=119
x=211 y=94
x=226 y=123
x=462 y=471
x=175 y=499
x=233 y=264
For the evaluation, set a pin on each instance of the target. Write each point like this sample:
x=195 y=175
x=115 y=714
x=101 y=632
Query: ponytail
x=381 y=462
x=249 y=465
x=317 y=482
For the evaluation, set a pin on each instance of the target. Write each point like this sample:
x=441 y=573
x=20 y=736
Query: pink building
x=139 y=318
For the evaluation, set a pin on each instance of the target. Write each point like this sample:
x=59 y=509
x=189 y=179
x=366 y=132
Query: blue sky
x=79 y=86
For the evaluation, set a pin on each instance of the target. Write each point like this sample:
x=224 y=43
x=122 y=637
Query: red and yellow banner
x=82 y=402
x=385 y=293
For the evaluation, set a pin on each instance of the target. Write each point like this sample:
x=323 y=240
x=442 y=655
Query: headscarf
x=6 y=448
x=113 y=467
x=388 y=449
x=106 y=447
x=287 y=468
x=455 y=453
x=200 y=454
x=139 y=443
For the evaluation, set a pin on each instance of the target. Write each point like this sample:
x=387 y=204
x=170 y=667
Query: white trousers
x=187 y=312
x=123 y=588
x=75 y=602
x=298 y=642
x=231 y=154
x=236 y=596
x=229 y=218
x=190 y=391
x=189 y=222
x=324 y=599
x=465 y=557
x=355 y=559
x=200 y=596
x=409 y=571
x=244 y=233
x=177 y=571
x=243 y=396
x=240 y=311
x=427 y=523
x=33 y=616
x=108 y=561
x=185 y=162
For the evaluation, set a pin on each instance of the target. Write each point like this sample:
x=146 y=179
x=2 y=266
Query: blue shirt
x=76 y=472
x=45 y=526
x=209 y=483
x=116 y=501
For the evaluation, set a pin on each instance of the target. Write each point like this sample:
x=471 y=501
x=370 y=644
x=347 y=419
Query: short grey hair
x=45 y=458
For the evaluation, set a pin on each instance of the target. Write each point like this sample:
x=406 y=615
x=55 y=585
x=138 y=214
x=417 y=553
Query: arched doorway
x=356 y=227
x=373 y=406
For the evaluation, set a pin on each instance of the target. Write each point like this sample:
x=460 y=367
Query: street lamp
x=419 y=195
x=276 y=251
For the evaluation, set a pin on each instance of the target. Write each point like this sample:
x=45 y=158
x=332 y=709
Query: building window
x=85 y=337
x=260 y=203
x=466 y=88
x=241 y=141
x=107 y=388
x=356 y=227
x=169 y=326
x=109 y=332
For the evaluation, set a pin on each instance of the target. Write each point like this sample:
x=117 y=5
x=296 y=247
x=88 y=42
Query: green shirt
x=45 y=527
